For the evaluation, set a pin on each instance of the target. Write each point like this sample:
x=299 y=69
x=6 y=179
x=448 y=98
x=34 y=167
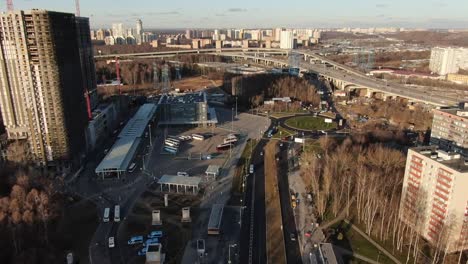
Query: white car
x=111 y=242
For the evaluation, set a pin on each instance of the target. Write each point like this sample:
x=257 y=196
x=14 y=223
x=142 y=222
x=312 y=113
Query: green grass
x=358 y=244
x=278 y=115
x=309 y=123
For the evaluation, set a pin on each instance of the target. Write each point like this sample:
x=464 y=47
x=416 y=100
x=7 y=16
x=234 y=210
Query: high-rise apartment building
x=118 y=30
x=277 y=34
x=139 y=31
x=450 y=129
x=448 y=60
x=434 y=199
x=287 y=40
x=100 y=35
x=41 y=82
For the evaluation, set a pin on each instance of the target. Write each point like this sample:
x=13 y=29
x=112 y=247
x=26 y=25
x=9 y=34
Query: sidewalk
x=388 y=254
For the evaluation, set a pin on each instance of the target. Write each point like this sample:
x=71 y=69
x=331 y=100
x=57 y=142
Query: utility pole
x=151 y=143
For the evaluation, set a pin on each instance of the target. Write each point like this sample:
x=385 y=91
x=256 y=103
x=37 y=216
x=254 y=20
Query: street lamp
x=230 y=246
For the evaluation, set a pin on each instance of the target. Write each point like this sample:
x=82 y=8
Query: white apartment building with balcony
x=435 y=197
x=448 y=60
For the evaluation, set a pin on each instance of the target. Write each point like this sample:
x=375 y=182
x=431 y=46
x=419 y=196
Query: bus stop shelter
x=212 y=170
x=169 y=183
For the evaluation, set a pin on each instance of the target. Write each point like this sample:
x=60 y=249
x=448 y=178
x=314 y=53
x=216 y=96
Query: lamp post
x=149 y=129
x=230 y=246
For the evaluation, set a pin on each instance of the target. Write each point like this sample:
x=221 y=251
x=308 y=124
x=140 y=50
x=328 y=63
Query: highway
x=341 y=73
x=253 y=231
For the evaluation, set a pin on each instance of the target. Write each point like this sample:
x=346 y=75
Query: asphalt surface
x=293 y=254
x=253 y=231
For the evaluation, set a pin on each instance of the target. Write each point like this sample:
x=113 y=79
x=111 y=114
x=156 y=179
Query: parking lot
x=193 y=157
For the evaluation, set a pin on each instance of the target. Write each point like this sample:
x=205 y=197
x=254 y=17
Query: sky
x=263 y=13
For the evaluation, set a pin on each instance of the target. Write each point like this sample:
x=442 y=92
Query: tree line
x=29 y=204
x=251 y=91
x=363 y=181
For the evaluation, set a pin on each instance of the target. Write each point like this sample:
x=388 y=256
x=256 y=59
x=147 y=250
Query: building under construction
x=44 y=60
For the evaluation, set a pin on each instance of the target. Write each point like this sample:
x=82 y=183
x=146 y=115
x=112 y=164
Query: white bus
x=117 y=213
x=106 y=215
x=173 y=138
x=171 y=143
x=198 y=137
x=230 y=140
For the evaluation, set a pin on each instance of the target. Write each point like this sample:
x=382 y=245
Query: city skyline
x=262 y=14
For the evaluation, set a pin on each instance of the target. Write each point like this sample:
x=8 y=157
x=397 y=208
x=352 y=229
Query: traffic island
x=309 y=123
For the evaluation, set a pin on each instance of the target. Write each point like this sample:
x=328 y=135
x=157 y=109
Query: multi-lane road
x=253 y=231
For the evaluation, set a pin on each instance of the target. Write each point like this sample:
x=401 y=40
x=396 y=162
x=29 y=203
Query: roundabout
x=306 y=124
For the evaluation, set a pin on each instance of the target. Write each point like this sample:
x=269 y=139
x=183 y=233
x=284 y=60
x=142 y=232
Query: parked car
x=155 y=234
x=293 y=237
x=151 y=241
x=135 y=240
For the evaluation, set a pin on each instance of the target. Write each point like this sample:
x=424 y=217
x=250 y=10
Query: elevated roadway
x=343 y=77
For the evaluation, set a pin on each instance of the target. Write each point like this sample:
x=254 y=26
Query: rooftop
x=180 y=180
x=216 y=215
x=213 y=169
x=124 y=149
x=452 y=160
x=188 y=98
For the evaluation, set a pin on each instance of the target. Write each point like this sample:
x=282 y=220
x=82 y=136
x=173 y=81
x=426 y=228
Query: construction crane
x=9 y=5
x=77 y=8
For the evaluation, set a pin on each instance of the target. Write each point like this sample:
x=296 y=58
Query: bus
x=224 y=146
x=171 y=143
x=171 y=150
x=198 y=137
x=117 y=213
x=216 y=216
x=174 y=139
x=230 y=140
x=106 y=215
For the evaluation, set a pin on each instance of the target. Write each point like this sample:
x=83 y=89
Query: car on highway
x=293 y=237
x=251 y=168
x=135 y=240
x=132 y=167
x=111 y=242
x=155 y=234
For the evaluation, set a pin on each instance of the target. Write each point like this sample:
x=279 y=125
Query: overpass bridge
x=343 y=77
